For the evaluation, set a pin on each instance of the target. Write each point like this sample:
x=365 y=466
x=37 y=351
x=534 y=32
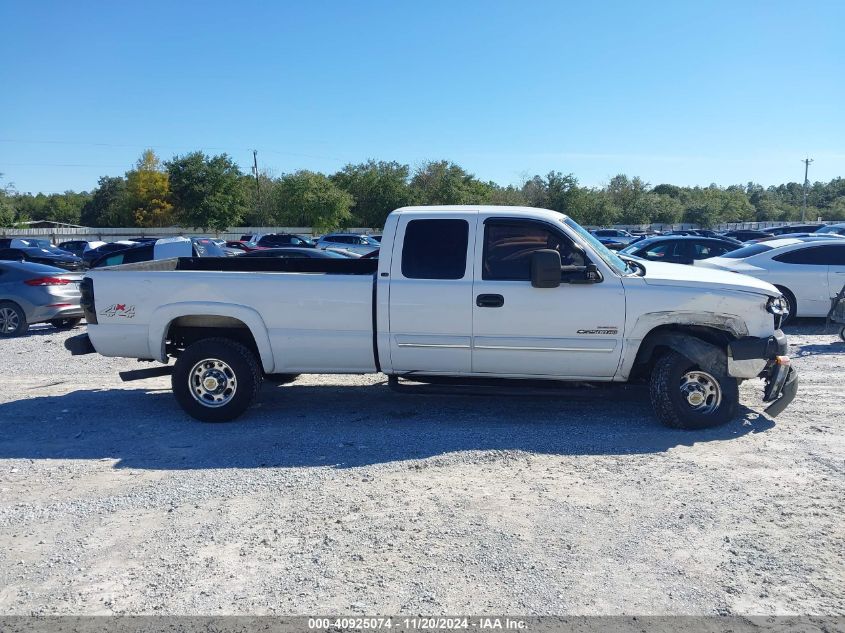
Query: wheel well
x=659 y=340
x=790 y=295
x=186 y=330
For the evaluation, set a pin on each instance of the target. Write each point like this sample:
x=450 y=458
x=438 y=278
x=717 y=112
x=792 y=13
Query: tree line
x=198 y=191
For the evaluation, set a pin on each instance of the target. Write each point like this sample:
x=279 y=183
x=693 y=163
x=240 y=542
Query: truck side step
x=470 y=386
x=141 y=374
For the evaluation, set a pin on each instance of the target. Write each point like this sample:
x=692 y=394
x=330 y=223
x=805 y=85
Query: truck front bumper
x=766 y=358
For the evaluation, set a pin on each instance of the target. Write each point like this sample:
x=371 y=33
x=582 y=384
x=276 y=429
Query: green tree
x=443 y=182
x=306 y=198
x=7 y=209
x=377 y=189
x=64 y=207
x=258 y=196
x=599 y=209
x=148 y=192
x=558 y=192
x=626 y=194
x=206 y=192
x=108 y=205
x=659 y=208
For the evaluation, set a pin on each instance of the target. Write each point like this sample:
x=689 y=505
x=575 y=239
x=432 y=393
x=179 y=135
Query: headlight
x=777 y=306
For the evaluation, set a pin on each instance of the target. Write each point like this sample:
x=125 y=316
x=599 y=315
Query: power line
x=167 y=147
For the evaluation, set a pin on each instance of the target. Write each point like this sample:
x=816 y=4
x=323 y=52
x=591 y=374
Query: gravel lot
x=332 y=498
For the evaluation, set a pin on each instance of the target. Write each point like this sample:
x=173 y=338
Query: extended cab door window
x=573 y=330
x=508 y=248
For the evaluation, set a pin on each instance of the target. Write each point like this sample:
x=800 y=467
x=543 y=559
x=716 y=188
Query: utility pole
x=806 y=162
x=257 y=183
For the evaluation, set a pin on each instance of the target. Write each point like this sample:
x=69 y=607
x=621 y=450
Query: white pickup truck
x=474 y=293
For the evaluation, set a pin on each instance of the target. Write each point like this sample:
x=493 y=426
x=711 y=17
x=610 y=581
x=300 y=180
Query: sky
x=689 y=93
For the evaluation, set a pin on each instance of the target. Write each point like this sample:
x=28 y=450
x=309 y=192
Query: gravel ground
x=336 y=495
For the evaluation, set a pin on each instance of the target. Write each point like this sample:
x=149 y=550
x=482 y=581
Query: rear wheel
x=12 y=319
x=65 y=324
x=216 y=379
x=686 y=396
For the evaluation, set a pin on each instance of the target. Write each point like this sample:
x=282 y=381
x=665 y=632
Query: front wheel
x=685 y=396
x=216 y=379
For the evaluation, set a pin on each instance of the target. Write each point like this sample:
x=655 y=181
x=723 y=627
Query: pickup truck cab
x=475 y=292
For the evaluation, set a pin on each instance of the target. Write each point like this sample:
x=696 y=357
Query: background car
x=53 y=257
x=746 y=235
x=617 y=235
x=281 y=240
x=227 y=250
x=838 y=229
x=612 y=243
x=161 y=249
x=295 y=251
x=808 y=273
x=75 y=247
x=358 y=243
x=34 y=293
x=680 y=249
x=794 y=228
x=806 y=237
x=93 y=254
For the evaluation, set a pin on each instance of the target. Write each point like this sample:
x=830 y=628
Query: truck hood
x=660 y=274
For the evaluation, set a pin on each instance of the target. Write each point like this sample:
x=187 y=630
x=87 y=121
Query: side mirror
x=588 y=274
x=545 y=268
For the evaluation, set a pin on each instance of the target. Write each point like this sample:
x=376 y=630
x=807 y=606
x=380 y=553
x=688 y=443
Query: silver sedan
x=35 y=293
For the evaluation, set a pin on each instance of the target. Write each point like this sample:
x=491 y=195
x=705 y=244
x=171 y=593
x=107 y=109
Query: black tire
x=12 y=319
x=842 y=333
x=280 y=379
x=224 y=361
x=65 y=324
x=793 y=305
x=672 y=407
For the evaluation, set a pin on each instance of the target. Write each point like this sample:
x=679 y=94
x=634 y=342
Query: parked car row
x=618 y=239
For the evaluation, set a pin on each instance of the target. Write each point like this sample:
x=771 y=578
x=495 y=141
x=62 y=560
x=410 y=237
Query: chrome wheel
x=212 y=382
x=9 y=321
x=701 y=391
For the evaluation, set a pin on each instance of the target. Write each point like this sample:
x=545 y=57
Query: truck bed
x=256 y=264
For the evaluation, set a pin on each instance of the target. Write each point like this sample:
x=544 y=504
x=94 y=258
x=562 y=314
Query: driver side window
x=508 y=248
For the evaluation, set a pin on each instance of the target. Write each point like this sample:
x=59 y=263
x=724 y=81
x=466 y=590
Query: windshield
x=832 y=229
x=608 y=256
x=748 y=251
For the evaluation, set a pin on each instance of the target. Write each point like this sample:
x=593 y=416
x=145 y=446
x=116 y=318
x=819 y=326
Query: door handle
x=489 y=301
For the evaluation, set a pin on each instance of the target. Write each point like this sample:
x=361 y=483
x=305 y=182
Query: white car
x=808 y=273
x=832 y=229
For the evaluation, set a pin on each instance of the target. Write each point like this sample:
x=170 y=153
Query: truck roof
x=529 y=212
